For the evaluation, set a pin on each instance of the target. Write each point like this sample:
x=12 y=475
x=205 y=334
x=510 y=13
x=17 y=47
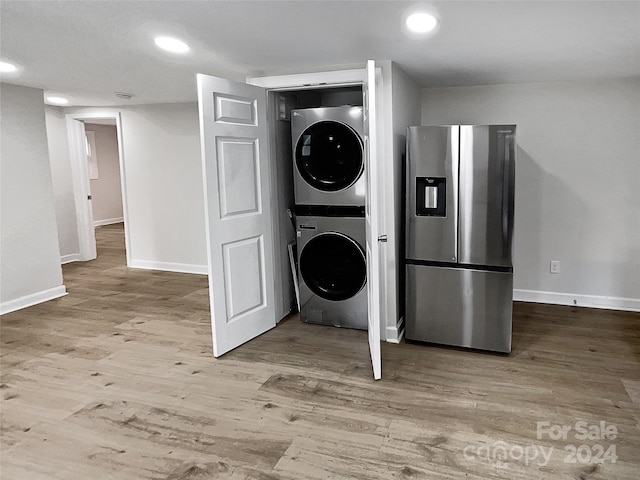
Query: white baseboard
x=72 y=257
x=32 y=299
x=169 y=267
x=107 y=221
x=591 y=301
x=395 y=333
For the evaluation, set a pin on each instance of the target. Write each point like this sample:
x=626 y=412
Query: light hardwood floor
x=117 y=381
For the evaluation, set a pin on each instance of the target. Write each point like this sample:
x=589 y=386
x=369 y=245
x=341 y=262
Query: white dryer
x=328 y=156
x=332 y=270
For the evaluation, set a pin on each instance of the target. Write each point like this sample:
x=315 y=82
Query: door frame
x=330 y=79
x=81 y=183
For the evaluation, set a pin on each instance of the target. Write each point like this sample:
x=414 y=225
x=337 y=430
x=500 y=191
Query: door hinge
x=382 y=238
x=88 y=197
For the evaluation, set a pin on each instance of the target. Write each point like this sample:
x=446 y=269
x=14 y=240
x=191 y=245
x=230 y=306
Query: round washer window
x=329 y=156
x=333 y=266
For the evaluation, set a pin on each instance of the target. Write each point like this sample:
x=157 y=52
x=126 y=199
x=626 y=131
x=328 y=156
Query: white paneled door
x=372 y=210
x=234 y=138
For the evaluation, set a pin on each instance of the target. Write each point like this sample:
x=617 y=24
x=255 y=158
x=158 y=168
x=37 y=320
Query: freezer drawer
x=459 y=307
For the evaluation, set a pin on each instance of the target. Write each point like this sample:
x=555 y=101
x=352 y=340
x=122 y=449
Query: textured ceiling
x=88 y=50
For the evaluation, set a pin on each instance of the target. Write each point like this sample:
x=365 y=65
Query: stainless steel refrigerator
x=459 y=229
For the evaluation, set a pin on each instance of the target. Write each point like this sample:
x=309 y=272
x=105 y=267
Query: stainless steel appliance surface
x=328 y=156
x=460 y=307
x=332 y=271
x=459 y=218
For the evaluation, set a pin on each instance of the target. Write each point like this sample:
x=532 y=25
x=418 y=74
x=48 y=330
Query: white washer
x=328 y=156
x=332 y=270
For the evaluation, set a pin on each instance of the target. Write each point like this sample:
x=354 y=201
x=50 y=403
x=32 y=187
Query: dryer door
x=333 y=266
x=329 y=156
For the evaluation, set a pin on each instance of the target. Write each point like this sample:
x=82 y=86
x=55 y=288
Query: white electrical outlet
x=554 y=266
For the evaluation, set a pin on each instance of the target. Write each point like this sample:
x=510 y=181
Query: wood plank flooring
x=117 y=381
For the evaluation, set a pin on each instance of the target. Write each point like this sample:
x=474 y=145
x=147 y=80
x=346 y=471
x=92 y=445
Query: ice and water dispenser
x=431 y=196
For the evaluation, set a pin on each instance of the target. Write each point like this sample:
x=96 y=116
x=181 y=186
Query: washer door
x=333 y=266
x=329 y=156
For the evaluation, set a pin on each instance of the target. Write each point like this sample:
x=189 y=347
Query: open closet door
x=372 y=210
x=233 y=136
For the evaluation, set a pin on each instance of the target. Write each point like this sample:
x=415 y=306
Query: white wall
x=106 y=194
x=163 y=176
x=29 y=252
x=577 y=176
x=405 y=111
x=62 y=185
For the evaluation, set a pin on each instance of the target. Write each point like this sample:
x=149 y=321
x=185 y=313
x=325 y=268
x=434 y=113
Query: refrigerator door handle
x=507 y=186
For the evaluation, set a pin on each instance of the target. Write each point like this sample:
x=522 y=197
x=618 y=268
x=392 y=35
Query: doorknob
x=382 y=238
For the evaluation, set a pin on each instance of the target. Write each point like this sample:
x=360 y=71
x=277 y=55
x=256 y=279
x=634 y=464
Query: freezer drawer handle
x=382 y=238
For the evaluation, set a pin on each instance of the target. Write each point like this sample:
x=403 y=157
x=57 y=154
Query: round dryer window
x=329 y=156
x=333 y=266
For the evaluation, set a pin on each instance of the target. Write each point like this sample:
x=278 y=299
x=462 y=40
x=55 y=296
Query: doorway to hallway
x=81 y=128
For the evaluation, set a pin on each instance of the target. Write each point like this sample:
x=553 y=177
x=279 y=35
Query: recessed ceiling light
x=6 y=67
x=57 y=100
x=172 y=45
x=421 y=22
x=124 y=95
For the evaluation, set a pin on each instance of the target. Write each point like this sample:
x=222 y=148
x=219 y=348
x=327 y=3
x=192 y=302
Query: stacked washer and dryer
x=329 y=190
